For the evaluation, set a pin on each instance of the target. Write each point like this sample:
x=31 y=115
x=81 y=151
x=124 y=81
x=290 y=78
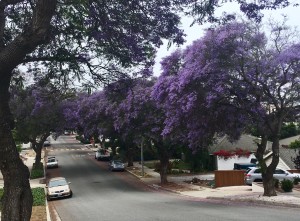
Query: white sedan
x=58 y=187
x=52 y=162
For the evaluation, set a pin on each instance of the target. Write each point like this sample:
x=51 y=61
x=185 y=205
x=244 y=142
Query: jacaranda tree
x=232 y=78
x=37 y=112
x=141 y=119
x=71 y=38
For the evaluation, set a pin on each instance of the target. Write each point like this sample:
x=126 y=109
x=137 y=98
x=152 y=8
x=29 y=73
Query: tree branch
x=32 y=36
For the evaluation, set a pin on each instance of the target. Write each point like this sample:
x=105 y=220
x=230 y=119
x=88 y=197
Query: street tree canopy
x=232 y=78
x=37 y=112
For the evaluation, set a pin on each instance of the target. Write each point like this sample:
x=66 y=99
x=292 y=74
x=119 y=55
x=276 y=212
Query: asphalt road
x=99 y=194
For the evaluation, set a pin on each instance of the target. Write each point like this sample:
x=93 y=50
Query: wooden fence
x=229 y=178
x=294 y=171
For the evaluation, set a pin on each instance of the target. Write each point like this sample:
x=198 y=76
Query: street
x=99 y=194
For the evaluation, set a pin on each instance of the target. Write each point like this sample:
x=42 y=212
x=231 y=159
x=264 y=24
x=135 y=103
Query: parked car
x=243 y=166
x=66 y=132
x=102 y=154
x=116 y=165
x=52 y=162
x=253 y=174
x=46 y=143
x=58 y=187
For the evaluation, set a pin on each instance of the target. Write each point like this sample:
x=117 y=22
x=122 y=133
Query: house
x=286 y=154
x=247 y=143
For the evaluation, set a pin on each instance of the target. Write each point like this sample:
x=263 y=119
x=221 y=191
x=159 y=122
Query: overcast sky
x=196 y=31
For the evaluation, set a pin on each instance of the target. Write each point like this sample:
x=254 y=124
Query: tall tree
x=141 y=119
x=232 y=78
x=71 y=38
x=37 y=112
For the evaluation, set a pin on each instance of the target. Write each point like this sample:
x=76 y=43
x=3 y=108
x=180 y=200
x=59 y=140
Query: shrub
x=82 y=139
x=287 y=185
x=195 y=180
x=296 y=181
x=276 y=183
x=19 y=148
x=37 y=171
x=1 y=194
x=157 y=167
x=38 y=196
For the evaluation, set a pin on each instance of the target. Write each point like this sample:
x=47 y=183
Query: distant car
x=58 y=187
x=116 y=165
x=50 y=157
x=52 y=162
x=102 y=154
x=46 y=143
x=66 y=132
x=253 y=174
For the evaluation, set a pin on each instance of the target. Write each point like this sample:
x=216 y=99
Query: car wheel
x=48 y=198
x=71 y=194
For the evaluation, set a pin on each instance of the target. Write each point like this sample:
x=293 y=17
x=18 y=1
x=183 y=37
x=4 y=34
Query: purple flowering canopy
x=37 y=112
x=138 y=114
x=87 y=114
x=231 y=79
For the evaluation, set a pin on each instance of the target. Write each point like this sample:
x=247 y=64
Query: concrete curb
x=252 y=198
x=256 y=202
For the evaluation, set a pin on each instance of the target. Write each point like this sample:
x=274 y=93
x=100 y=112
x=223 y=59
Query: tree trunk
x=164 y=162
x=269 y=185
x=268 y=181
x=38 y=154
x=39 y=147
x=17 y=198
x=268 y=171
x=129 y=157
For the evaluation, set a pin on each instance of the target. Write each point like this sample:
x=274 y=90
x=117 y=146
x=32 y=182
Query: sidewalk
x=28 y=157
x=231 y=193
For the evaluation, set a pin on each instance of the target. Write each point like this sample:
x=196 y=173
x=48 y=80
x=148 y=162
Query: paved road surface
x=112 y=196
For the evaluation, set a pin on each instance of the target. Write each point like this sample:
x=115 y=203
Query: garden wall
x=229 y=178
x=227 y=164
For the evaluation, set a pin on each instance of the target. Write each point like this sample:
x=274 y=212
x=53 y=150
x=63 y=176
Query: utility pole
x=142 y=156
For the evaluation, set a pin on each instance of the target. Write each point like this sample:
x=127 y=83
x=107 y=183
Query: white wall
x=223 y=164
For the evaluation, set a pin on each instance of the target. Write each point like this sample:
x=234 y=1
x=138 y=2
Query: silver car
x=58 y=187
x=253 y=174
x=116 y=165
x=52 y=162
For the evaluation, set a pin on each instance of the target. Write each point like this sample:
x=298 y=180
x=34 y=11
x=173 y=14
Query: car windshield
x=118 y=162
x=54 y=183
x=52 y=160
x=248 y=170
